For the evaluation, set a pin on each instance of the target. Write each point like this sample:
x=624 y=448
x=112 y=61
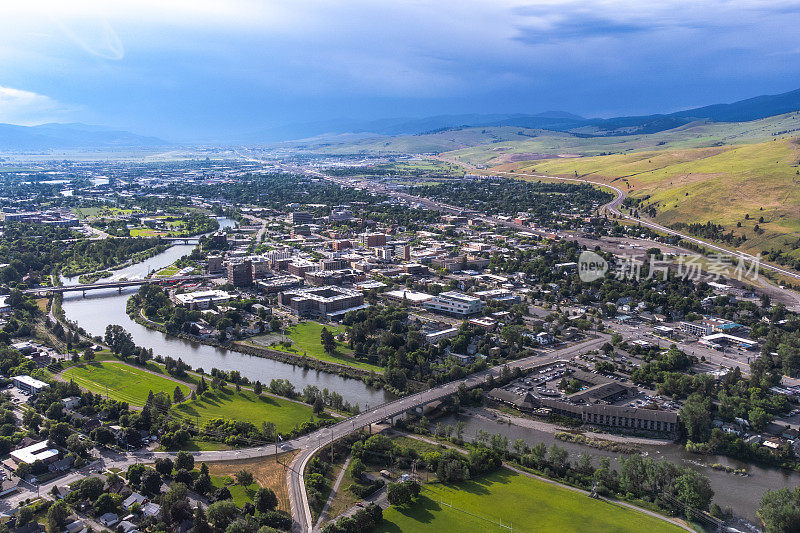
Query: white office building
x=454 y=303
x=29 y=384
x=202 y=299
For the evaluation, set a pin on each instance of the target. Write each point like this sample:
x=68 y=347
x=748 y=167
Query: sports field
x=521 y=504
x=306 y=340
x=247 y=407
x=121 y=381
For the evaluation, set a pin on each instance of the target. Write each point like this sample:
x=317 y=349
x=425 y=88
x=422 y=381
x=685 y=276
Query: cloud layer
x=208 y=67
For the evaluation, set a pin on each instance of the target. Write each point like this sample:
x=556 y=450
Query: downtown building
x=329 y=302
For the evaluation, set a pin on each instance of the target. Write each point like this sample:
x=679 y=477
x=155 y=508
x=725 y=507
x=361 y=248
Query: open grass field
x=719 y=184
x=266 y=473
x=523 y=503
x=305 y=337
x=121 y=381
x=240 y=495
x=246 y=406
x=146 y=232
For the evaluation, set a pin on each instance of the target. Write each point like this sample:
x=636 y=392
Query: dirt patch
x=42 y=303
x=266 y=472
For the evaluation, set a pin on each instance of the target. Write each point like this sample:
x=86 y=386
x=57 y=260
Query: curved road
x=310 y=444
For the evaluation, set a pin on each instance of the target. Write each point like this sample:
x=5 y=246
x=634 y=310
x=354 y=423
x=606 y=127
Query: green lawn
x=241 y=495
x=121 y=381
x=246 y=406
x=305 y=338
x=520 y=502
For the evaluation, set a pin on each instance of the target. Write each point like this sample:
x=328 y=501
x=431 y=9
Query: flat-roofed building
x=29 y=384
x=240 y=273
x=326 y=302
x=371 y=240
x=201 y=299
x=698 y=330
x=435 y=336
x=631 y=418
x=279 y=283
x=455 y=303
x=409 y=297
x=41 y=451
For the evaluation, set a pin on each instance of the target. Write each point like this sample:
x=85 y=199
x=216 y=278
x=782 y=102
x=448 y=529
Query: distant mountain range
x=741 y=111
x=70 y=137
x=85 y=137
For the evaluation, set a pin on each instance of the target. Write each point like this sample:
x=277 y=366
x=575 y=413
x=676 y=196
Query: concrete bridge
x=184 y=240
x=309 y=445
x=115 y=284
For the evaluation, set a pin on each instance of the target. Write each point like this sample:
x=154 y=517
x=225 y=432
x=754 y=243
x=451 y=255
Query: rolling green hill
x=721 y=184
x=490 y=146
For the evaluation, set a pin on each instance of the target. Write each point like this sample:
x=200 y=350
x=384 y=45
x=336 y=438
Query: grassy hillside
x=694 y=135
x=429 y=143
x=247 y=407
x=719 y=184
x=496 y=145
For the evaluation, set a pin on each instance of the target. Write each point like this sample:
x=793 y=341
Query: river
x=99 y=308
x=740 y=493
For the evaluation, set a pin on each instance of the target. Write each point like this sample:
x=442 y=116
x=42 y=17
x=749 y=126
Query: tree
x=164 y=466
x=151 y=482
x=76 y=445
x=135 y=473
x=758 y=418
x=24 y=515
x=357 y=468
x=119 y=340
x=200 y=522
x=244 y=478
x=105 y=504
x=265 y=500
x=184 y=461
x=57 y=517
x=327 y=340
x=88 y=354
x=696 y=417
x=32 y=419
x=780 y=510
x=397 y=494
x=91 y=488
x=319 y=405
x=402 y=493
x=177 y=395
x=693 y=489
x=222 y=513
x=258 y=388
x=59 y=433
x=203 y=483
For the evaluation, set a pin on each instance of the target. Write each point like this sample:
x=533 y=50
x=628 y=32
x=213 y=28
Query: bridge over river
x=83 y=287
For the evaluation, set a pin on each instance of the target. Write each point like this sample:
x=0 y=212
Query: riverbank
x=138 y=257
x=370 y=378
x=497 y=416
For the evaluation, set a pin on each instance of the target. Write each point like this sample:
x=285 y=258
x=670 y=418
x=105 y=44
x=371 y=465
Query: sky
x=211 y=69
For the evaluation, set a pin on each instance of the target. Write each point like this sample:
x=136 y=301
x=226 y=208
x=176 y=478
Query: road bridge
x=312 y=443
x=83 y=287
